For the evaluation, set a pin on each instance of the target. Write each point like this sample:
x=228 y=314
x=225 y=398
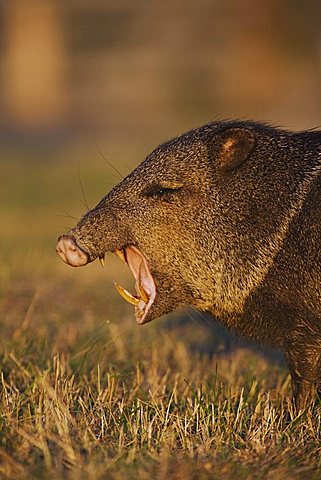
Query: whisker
x=82 y=188
x=192 y=318
x=200 y=314
x=109 y=163
x=84 y=204
x=66 y=215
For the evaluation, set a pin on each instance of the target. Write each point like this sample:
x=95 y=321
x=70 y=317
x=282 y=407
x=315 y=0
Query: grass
x=86 y=393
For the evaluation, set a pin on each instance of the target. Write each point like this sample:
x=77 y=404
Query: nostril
x=70 y=252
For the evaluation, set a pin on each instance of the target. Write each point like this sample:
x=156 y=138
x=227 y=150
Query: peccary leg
x=305 y=374
x=304 y=391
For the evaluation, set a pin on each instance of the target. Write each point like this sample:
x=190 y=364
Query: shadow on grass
x=208 y=336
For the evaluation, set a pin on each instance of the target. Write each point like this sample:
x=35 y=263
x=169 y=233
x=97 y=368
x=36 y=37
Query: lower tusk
x=127 y=295
x=142 y=292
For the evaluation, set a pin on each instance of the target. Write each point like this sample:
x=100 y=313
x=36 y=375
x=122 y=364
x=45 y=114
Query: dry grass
x=87 y=393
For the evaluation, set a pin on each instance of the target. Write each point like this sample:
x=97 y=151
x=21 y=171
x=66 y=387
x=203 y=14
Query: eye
x=162 y=192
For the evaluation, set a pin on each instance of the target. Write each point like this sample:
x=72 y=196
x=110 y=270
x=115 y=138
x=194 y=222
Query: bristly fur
x=235 y=231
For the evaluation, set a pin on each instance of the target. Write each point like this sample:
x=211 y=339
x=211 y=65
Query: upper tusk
x=102 y=260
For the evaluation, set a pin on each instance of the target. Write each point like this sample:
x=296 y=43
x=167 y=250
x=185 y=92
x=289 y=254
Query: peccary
x=225 y=218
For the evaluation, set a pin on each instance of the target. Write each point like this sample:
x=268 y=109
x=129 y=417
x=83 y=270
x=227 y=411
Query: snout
x=70 y=253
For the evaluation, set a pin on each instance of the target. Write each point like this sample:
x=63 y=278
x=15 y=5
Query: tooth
x=121 y=255
x=127 y=295
x=102 y=260
x=142 y=292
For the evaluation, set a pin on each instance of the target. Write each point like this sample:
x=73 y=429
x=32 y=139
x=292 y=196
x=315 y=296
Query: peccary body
x=226 y=218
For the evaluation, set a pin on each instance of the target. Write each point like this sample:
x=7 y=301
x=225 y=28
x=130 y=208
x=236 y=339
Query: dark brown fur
x=228 y=217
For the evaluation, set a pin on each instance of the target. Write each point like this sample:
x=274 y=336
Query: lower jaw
x=142 y=315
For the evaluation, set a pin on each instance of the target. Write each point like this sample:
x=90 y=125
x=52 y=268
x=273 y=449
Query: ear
x=235 y=145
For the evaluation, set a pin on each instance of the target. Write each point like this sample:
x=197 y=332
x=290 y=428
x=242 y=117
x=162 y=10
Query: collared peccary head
x=198 y=220
x=166 y=219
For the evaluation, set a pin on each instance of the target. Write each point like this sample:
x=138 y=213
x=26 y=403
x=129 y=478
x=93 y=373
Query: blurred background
x=90 y=86
x=135 y=71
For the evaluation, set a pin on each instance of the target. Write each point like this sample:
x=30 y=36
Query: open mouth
x=144 y=282
x=73 y=254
